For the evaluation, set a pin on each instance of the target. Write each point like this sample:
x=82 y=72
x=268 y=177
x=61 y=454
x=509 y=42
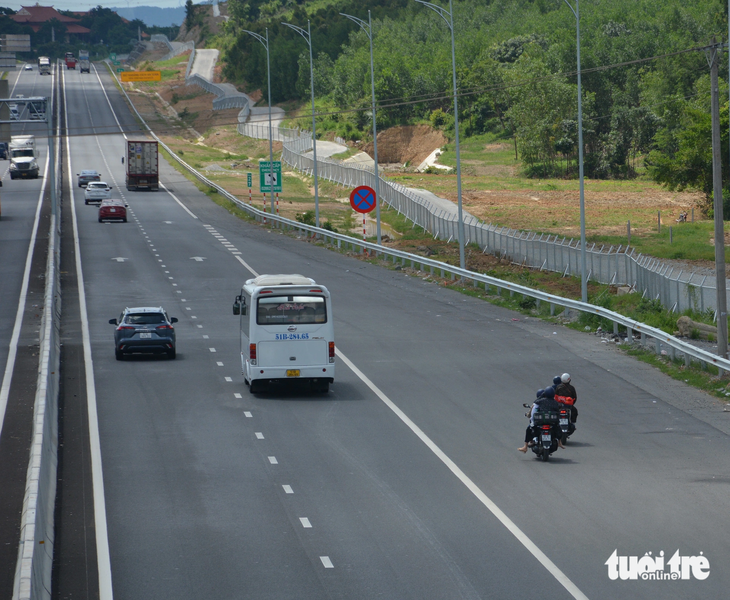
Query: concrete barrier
x=35 y=553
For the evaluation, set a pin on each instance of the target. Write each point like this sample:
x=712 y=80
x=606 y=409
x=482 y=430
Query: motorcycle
x=545 y=441
x=566 y=426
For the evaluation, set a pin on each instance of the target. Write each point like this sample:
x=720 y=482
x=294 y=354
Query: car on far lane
x=144 y=329
x=96 y=191
x=86 y=176
x=28 y=67
x=112 y=210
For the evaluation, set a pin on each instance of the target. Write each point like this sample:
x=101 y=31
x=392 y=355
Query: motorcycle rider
x=566 y=390
x=545 y=402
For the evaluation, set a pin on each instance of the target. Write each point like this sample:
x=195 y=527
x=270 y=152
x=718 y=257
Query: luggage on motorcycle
x=545 y=418
x=565 y=400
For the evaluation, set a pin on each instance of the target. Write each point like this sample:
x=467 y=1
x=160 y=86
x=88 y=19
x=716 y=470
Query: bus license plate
x=292 y=373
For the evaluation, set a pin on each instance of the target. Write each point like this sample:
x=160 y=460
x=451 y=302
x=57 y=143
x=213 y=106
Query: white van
x=287 y=331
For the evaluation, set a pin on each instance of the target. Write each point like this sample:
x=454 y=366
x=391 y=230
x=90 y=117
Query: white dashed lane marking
x=229 y=379
x=326 y=562
x=259 y=435
x=305 y=522
x=287 y=489
x=273 y=461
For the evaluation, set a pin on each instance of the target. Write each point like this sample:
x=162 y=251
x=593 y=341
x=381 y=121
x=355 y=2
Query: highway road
x=404 y=481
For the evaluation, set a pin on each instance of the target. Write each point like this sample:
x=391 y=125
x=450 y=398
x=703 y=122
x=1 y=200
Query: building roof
x=37 y=15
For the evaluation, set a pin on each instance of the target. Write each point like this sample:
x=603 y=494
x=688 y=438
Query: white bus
x=287 y=331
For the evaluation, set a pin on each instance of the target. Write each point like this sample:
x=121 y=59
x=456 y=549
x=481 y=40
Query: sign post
x=248 y=183
x=363 y=200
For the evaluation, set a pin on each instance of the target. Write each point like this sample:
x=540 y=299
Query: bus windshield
x=287 y=310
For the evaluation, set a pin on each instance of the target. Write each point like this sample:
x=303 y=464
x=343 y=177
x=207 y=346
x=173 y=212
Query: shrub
x=307 y=217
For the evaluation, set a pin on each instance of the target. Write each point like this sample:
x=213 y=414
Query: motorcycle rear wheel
x=545 y=454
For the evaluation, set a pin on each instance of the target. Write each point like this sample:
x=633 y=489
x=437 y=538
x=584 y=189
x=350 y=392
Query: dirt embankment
x=408 y=144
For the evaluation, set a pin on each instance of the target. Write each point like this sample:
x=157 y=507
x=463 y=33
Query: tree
x=189 y=14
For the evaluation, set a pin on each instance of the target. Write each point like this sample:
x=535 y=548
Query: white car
x=28 y=67
x=96 y=191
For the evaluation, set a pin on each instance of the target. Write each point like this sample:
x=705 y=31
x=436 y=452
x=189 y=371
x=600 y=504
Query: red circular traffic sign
x=362 y=199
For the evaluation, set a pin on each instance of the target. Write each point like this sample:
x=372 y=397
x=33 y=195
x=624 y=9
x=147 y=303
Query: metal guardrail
x=676 y=345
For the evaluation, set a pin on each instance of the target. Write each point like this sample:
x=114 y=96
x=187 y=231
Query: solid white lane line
x=326 y=562
x=13 y=349
x=245 y=264
x=470 y=485
x=305 y=522
x=287 y=489
x=259 y=435
x=176 y=199
x=273 y=461
x=97 y=474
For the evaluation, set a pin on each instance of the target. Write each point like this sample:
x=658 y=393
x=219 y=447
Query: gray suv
x=144 y=329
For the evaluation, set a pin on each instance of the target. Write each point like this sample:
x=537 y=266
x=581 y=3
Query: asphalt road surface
x=404 y=481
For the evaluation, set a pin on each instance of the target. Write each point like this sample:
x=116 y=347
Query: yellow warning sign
x=140 y=76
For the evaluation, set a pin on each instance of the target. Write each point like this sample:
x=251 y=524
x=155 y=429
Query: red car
x=112 y=210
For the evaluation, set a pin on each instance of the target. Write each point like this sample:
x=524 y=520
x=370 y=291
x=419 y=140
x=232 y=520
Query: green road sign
x=248 y=179
x=113 y=55
x=265 y=176
x=120 y=70
x=115 y=63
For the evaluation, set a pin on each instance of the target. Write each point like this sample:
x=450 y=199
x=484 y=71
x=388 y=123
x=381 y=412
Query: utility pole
x=720 y=283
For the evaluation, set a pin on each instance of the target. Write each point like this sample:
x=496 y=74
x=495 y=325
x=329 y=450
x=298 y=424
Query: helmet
x=565 y=378
x=556 y=380
x=549 y=392
x=540 y=393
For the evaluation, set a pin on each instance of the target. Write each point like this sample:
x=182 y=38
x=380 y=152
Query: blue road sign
x=362 y=199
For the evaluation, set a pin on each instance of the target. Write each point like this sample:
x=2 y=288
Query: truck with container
x=142 y=165
x=84 y=64
x=70 y=61
x=44 y=65
x=23 y=163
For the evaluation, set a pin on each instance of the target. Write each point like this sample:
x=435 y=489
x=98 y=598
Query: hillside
x=516 y=63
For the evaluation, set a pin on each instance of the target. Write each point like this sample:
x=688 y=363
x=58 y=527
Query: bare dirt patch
x=409 y=144
x=606 y=212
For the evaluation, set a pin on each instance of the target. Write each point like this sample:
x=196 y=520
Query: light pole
x=583 y=267
x=368 y=29
x=265 y=43
x=307 y=35
x=443 y=13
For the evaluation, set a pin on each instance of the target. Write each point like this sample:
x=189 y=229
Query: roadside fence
x=676 y=289
x=649 y=336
